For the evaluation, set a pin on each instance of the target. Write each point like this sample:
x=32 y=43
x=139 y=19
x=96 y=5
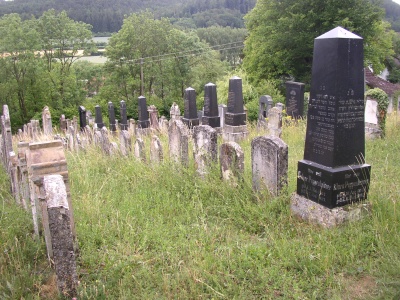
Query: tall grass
x=162 y=232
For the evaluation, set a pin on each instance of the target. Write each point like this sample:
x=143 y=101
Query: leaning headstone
x=235 y=118
x=269 y=163
x=231 y=158
x=156 y=150
x=61 y=235
x=139 y=150
x=124 y=120
x=333 y=172
x=143 y=121
x=98 y=118
x=211 y=116
x=153 y=116
x=82 y=118
x=46 y=121
x=125 y=142
x=190 y=117
x=372 y=129
x=275 y=122
x=111 y=117
x=178 y=138
x=205 y=147
x=294 y=99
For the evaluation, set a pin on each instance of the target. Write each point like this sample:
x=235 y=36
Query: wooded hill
x=107 y=16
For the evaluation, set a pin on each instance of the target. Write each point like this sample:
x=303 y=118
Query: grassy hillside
x=161 y=232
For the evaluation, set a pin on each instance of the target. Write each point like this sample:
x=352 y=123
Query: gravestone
x=153 y=113
x=98 y=118
x=265 y=103
x=125 y=142
x=46 y=121
x=235 y=118
x=280 y=106
x=143 y=121
x=372 y=128
x=111 y=117
x=294 y=99
x=210 y=116
x=22 y=172
x=132 y=126
x=231 y=159
x=61 y=237
x=275 y=121
x=333 y=172
x=82 y=118
x=63 y=124
x=163 y=123
x=124 y=121
x=178 y=141
x=174 y=112
x=221 y=113
x=190 y=117
x=139 y=150
x=156 y=150
x=204 y=147
x=269 y=164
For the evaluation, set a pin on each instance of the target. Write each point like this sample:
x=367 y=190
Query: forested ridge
x=107 y=16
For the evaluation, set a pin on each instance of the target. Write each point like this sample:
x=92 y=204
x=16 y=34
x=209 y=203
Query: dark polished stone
x=143 y=121
x=211 y=114
x=295 y=99
x=98 y=117
x=235 y=115
x=124 y=119
x=82 y=117
x=190 y=117
x=111 y=117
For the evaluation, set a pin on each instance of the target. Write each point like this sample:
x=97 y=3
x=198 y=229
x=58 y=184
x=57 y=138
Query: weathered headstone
x=231 y=158
x=269 y=161
x=153 y=115
x=205 y=147
x=124 y=120
x=82 y=118
x=22 y=173
x=372 y=129
x=178 y=138
x=235 y=118
x=63 y=124
x=156 y=150
x=143 y=121
x=333 y=172
x=265 y=102
x=125 y=141
x=174 y=112
x=294 y=99
x=190 y=117
x=211 y=116
x=163 y=123
x=132 y=126
x=280 y=106
x=98 y=118
x=275 y=121
x=46 y=121
x=139 y=150
x=61 y=236
x=221 y=112
x=111 y=117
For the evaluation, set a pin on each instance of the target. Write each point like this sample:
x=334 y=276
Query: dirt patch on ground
x=49 y=289
x=362 y=287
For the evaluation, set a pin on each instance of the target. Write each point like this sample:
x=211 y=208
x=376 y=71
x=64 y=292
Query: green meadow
x=149 y=231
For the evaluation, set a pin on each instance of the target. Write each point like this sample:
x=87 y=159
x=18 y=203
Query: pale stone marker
x=269 y=161
x=153 y=116
x=156 y=150
x=178 y=138
x=275 y=121
x=231 y=158
x=174 y=112
x=125 y=142
x=372 y=129
x=46 y=121
x=205 y=147
x=139 y=150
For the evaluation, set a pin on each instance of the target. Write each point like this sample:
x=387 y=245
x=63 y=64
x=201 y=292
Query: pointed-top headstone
x=340 y=33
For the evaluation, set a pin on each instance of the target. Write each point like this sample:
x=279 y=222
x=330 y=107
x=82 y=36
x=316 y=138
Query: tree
x=61 y=38
x=282 y=33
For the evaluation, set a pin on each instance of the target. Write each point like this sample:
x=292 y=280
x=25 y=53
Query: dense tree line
x=107 y=16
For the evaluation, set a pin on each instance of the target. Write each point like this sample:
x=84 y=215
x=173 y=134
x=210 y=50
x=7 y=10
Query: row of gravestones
x=39 y=183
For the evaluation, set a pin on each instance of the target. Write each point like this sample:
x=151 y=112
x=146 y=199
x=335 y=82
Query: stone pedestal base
x=315 y=213
x=372 y=133
x=234 y=133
